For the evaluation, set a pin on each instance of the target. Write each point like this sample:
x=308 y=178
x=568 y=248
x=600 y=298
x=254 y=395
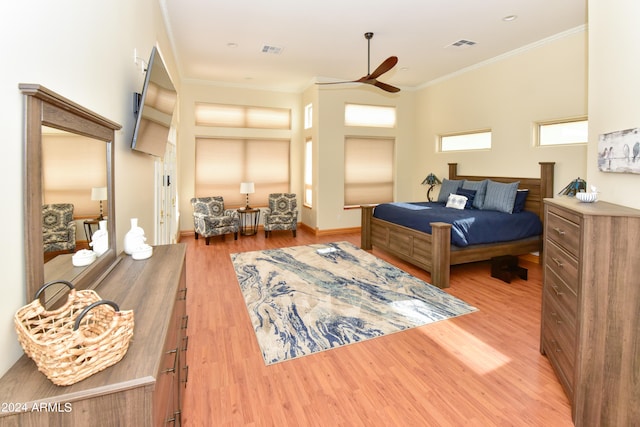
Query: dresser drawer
x=561 y=361
x=564 y=229
x=562 y=264
x=563 y=296
x=561 y=322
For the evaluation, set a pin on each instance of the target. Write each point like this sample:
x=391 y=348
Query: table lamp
x=247 y=188
x=430 y=180
x=99 y=193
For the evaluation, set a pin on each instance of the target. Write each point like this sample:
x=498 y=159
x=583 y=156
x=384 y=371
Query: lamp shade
x=576 y=186
x=247 y=188
x=99 y=193
x=431 y=179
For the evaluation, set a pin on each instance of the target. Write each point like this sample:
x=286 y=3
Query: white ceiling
x=324 y=40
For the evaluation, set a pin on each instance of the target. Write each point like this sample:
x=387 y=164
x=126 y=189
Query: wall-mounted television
x=156 y=105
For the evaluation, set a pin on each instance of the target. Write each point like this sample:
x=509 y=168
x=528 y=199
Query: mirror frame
x=43 y=107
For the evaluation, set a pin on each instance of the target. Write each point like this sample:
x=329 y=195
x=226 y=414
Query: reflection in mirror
x=74 y=169
x=44 y=185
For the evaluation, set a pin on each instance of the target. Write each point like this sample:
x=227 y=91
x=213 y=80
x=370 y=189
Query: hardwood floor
x=482 y=369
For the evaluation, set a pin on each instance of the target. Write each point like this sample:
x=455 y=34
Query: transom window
x=563 y=132
x=369 y=116
x=479 y=140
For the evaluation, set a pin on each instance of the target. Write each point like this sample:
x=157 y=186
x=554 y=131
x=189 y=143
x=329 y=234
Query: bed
x=434 y=251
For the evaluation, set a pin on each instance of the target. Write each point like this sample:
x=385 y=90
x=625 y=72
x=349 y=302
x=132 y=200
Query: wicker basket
x=73 y=342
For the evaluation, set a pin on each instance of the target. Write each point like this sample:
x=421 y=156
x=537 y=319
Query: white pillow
x=456 y=201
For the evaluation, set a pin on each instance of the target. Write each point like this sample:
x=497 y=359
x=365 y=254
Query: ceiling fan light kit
x=372 y=78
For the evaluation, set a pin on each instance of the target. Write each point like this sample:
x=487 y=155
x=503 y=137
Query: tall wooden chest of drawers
x=590 y=328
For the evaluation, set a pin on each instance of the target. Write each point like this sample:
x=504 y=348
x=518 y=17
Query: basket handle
x=53 y=282
x=76 y=325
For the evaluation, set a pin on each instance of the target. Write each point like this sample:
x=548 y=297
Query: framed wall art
x=619 y=151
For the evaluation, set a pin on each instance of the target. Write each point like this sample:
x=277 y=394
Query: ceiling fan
x=372 y=78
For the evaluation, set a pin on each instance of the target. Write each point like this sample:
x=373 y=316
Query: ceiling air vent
x=274 y=50
x=462 y=43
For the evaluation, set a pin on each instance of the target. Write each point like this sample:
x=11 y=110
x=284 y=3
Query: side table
x=249 y=219
x=87 y=228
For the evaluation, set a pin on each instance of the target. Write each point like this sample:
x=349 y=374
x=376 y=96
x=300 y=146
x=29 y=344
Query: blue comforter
x=468 y=226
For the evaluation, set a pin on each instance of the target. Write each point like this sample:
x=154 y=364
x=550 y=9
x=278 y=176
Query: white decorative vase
x=100 y=239
x=134 y=238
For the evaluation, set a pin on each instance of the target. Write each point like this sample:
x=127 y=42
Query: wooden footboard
x=434 y=252
x=431 y=252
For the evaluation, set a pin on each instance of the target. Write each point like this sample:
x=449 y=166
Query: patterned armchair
x=58 y=228
x=210 y=218
x=282 y=213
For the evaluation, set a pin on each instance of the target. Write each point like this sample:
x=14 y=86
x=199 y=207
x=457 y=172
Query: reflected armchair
x=210 y=218
x=58 y=228
x=282 y=213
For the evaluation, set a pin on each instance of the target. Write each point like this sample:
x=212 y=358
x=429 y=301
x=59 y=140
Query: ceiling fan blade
x=338 y=83
x=386 y=87
x=388 y=64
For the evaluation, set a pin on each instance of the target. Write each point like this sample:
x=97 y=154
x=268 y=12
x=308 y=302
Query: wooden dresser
x=146 y=387
x=590 y=328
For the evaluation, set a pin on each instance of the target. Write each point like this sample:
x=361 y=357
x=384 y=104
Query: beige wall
x=614 y=89
x=545 y=82
x=83 y=51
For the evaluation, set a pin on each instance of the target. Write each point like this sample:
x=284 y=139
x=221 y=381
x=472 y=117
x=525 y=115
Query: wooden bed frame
x=434 y=252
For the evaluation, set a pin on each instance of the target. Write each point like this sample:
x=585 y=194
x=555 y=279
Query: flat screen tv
x=156 y=105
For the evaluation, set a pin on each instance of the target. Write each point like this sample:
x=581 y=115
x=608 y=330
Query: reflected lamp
x=99 y=193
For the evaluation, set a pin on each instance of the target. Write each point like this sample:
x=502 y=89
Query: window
x=368 y=171
x=308 y=173
x=223 y=163
x=308 y=116
x=563 y=132
x=240 y=116
x=466 y=141
x=369 y=115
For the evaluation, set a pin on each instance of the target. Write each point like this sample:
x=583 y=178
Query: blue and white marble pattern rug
x=306 y=299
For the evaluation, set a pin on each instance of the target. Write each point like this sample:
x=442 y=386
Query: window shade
x=241 y=116
x=223 y=163
x=368 y=171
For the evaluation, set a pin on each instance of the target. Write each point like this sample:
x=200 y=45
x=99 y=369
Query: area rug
x=306 y=299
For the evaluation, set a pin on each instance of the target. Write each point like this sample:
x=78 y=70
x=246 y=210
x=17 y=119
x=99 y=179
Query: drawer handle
x=555 y=344
x=175 y=419
x=556 y=290
x=558 y=262
x=186 y=342
x=556 y=318
x=186 y=375
x=182 y=297
x=175 y=361
x=559 y=231
x=185 y=322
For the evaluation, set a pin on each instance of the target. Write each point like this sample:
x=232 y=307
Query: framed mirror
x=45 y=109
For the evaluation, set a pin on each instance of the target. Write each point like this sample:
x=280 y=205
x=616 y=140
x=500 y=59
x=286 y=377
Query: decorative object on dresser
x=591 y=308
x=431 y=180
x=146 y=388
x=76 y=340
x=578 y=185
x=434 y=251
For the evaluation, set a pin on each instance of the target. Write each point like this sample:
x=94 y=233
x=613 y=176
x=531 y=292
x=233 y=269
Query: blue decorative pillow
x=500 y=197
x=521 y=199
x=469 y=194
x=449 y=186
x=481 y=190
